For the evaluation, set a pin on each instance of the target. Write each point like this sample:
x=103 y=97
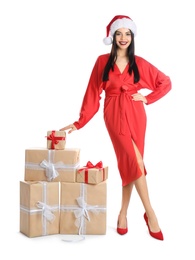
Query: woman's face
x=123 y=38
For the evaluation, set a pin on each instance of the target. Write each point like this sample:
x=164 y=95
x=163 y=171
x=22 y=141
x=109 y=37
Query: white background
x=47 y=51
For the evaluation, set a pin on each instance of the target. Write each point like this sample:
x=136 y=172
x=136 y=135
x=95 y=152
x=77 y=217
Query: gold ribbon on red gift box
x=54 y=139
x=90 y=165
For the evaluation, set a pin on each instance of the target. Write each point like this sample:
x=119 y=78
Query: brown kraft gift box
x=39 y=208
x=51 y=165
x=83 y=208
x=56 y=140
x=92 y=174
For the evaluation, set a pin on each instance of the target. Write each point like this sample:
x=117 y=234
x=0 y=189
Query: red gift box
x=92 y=174
x=56 y=140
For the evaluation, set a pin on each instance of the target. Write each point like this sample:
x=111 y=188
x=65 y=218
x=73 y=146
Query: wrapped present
x=56 y=140
x=39 y=208
x=83 y=208
x=92 y=174
x=51 y=165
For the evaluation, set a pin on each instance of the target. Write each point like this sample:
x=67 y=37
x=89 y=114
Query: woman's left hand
x=139 y=97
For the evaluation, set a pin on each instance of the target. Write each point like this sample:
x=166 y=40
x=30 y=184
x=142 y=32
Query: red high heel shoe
x=157 y=235
x=122 y=231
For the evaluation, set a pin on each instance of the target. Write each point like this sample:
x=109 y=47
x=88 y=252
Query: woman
x=122 y=74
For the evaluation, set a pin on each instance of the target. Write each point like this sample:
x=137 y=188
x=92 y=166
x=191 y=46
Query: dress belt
x=124 y=91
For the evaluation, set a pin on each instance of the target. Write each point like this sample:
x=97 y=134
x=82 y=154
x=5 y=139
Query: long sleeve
x=92 y=97
x=154 y=80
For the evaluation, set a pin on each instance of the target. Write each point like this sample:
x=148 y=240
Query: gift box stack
x=57 y=196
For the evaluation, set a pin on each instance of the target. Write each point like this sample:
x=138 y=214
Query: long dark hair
x=112 y=58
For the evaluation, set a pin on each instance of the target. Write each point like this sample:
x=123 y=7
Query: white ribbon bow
x=51 y=172
x=82 y=211
x=47 y=211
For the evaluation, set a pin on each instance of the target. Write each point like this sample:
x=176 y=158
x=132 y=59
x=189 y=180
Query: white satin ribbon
x=46 y=211
x=51 y=172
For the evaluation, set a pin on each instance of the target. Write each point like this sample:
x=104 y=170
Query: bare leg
x=142 y=189
x=126 y=194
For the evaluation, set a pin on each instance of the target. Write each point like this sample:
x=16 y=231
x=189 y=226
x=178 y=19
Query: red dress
x=124 y=118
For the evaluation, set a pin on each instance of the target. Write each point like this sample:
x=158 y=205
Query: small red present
x=92 y=174
x=56 y=140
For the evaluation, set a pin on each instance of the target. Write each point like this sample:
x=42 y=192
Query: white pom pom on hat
x=119 y=21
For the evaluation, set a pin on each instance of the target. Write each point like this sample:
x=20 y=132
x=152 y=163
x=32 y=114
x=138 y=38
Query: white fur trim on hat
x=123 y=23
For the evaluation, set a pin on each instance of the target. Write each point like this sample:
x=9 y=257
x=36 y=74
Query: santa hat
x=119 y=21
